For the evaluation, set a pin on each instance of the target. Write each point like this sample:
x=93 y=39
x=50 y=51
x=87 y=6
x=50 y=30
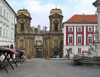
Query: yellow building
x=39 y=43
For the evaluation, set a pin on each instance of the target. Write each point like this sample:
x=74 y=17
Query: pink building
x=79 y=33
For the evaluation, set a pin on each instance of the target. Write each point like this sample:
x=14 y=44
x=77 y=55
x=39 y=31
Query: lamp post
x=97 y=4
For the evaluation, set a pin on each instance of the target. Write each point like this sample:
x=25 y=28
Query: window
x=56 y=26
x=12 y=35
x=70 y=39
x=0 y=10
x=89 y=29
x=79 y=50
x=4 y=13
x=22 y=26
x=89 y=39
x=12 y=20
x=4 y=32
x=7 y=15
x=79 y=29
x=70 y=29
x=79 y=39
x=0 y=31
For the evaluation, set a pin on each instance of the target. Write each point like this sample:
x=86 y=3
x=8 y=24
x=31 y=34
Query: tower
x=23 y=21
x=56 y=21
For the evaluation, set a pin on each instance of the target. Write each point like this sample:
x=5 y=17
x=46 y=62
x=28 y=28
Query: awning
x=84 y=51
x=14 y=52
x=23 y=51
x=19 y=51
x=8 y=50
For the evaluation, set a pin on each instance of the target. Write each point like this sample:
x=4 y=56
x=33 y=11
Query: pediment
x=22 y=15
x=55 y=15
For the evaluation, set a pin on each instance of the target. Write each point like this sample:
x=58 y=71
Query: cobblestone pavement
x=50 y=68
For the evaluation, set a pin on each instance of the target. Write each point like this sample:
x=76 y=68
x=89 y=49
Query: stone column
x=97 y=4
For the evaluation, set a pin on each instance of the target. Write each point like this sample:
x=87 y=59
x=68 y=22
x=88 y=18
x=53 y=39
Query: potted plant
x=29 y=57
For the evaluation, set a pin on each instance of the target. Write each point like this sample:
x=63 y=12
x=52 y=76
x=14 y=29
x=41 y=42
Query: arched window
x=56 y=26
x=22 y=26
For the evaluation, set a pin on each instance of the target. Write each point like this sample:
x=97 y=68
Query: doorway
x=55 y=52
x=38 y=54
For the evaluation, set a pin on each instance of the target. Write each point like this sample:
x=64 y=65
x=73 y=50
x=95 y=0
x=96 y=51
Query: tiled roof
x=82 y=19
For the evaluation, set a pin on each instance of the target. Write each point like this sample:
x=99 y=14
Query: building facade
x=79 y=33
x=7 y=25
x=36 y=42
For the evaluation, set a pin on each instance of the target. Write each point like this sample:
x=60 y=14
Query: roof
x=22 y=10
x=10 y=6
x=55 y=9
x=83 y=19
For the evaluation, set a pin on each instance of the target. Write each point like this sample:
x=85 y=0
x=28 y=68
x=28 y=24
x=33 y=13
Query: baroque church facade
x=35 y=42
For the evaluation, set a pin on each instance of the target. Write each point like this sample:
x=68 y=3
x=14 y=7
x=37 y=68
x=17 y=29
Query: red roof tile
x=82 y=19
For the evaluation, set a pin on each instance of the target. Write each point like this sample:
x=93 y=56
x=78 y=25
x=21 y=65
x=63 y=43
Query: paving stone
x=50 y=68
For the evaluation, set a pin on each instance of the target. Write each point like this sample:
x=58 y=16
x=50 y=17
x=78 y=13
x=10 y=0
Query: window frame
x=70 y=29
x=91 y=38
x=79 y=40
x=78 y=29
x=89 y=29
x=70 y=39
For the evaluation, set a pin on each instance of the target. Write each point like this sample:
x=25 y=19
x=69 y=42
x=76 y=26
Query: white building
x=79 y=33
x=7 y=24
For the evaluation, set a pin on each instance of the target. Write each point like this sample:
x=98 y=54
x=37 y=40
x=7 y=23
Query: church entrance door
x=38 y=54
x=55 y=52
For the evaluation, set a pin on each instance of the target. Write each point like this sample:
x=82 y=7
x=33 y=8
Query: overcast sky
x=40 y=9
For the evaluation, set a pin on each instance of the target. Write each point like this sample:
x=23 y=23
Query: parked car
x=55 y=56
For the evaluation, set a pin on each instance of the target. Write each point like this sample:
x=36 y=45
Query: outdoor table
x=20 y=56
x=23 y=55
x=11 y=56
x=6 y=53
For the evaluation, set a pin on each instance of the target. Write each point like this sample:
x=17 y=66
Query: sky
x=40 y=9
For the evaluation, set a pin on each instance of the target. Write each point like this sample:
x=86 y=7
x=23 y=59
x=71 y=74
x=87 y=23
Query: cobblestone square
x=50 y=68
